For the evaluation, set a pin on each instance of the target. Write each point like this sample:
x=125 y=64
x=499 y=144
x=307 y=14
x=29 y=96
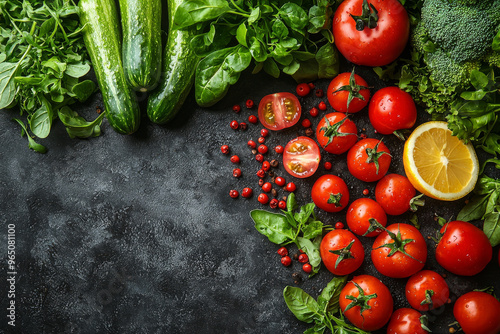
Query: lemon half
x=438 y=164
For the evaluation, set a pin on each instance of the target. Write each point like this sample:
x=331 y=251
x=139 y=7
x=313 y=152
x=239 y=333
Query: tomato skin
x=327 y=188
x=463 y=249
x=405 y=321
x=371 y=47
x=357 y=160
x=340 y=143
x=279 y=111
x=394 y=193
x=477 y=313
x=426 y=280
x=381 y=306
x=359 y=213
x=399 y=265
x=301 y=157
x=338 y=239
x=338 y=100
x=392 y=109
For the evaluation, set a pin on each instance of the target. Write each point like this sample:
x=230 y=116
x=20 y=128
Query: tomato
x=376 y=43
x=301 y=157
x=359 y=214
x=405 y=321
x=330 y=193
x=478 y=313
x=279 y=111
x=341 y=252
x=369 y=160
x=366 y=302
x=336 y=133
x=348 y=92
x=394 y=193
x=400 y=251
x=463 y=248
x=427 y=290
x=392 y=109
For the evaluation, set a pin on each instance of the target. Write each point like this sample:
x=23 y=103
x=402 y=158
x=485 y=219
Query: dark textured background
x=137 y=234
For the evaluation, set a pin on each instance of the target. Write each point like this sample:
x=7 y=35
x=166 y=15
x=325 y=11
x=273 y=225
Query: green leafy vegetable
x=77 y=126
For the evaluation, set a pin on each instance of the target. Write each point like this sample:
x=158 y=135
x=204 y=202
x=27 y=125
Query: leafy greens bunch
x=42 y=58
x=293 y=37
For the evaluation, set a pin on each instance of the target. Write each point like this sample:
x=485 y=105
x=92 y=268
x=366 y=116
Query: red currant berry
x=306 y=123
x=235 y=159
x=280 y=181
x=247 y=192
x=274 y=203
x=328 y=165
x=307 y=268
x=303 y=258
x=234 y=193
x=261 y=140
x=264 y=132
x=303 y=89
x=286 y=261
x=282 y=205
x=252 y=119
x=261 y=181
x=252 y=144
x=339 y=225
x=224 y=149
x=259 y=157
x=236 y=108
x=249 y=104
x=279 y=149
x=262 y=149
x=266 y=165
x=267 y=187
x=291 y=187
x=322 y=106
x=366 y=192
x=282 y=251
x=243 y=126
x=319 y=92
x=263 y=199
x=314 y=112
x=236 y=172
x=234 y=125
x=261 y=173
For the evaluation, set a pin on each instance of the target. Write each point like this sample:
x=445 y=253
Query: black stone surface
x=137 y=234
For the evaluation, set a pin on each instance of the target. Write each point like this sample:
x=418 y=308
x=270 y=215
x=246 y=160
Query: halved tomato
x=279 y=111
x=301 y=157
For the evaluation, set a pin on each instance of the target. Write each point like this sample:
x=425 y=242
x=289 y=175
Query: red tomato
x=394 y=193
x=348 y=92
x=405 y=321
x=372 y=45
x=400 y=251
x=336 y=133
x=463 y=249
x=359 y=214
x=368 y=160
x=427 y=290
x=478 y=313
x=301 y=157
x=341 y=252
x=372 y=306
x=330 y=193
x=279 y=111
x=392 y=109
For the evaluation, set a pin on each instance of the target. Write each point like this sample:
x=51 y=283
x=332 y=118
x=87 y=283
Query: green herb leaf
x=495 y=45
x=31 y=142
x=241 y=34
x=491 y=227
x=311 y=248
x=294 y=16
x=328 y=300
x=83 y=90
x=313 y=229
x=302 y=305
x=41 y=121
x=274 y=226
x=7 y=86
x=77 y=126
x=195 y=11
x=77 y=70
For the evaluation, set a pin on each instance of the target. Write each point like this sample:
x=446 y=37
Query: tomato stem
x=343 y=254
x=353 y=89
x=367 y=18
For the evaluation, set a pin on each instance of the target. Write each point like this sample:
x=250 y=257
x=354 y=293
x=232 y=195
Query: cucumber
x=141 y=53
x=179 y=65
x=102 y=38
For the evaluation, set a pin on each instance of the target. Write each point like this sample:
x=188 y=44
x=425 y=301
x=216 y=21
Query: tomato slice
x=279 y=111
x=301 y=157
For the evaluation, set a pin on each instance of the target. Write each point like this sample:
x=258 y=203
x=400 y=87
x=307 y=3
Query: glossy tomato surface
x=359 y=214
x=341 y=252
x=478 y=313
x=426 y=290
x=330 y=193
x=410 y=254
x=368 y=160
x=394 y=193
x=463 y=249
x=279 y=111
x=392 y=109
x=338 y=96
x=301 y=157
x=376 y=296
x=405 y=321
x=336 y=133
x=372 y=46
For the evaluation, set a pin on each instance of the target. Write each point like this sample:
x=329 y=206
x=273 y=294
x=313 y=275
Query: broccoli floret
x=493 y=58
x=449 y=72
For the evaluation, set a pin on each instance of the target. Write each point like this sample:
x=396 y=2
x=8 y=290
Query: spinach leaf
x=77 y=126
x=196 y=11
x=294 y=16
x=302 y=305
x=274 y=226
x=491 y=227
x=7 y=85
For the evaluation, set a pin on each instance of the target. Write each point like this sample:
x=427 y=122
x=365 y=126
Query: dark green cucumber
x=141 y=53
x=179 y=65
x=103 y=41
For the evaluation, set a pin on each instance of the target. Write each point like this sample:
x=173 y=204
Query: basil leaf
x=195 y=11
x=311 y=249
x=328 y=300
x=473 y=210
x=7 y=86
x=77 y=126
x=313 y=229
x=328 y=61
x=491 y=227
x=305 y=212
x=274 y=226
x=302 y=305
x=31 y=142
x=41 y=121
x=291 y=203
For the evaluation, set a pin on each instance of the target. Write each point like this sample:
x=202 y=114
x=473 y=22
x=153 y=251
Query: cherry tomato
x=286 y=260
x=427 y=290
x=282 y=251
x=336 y=133
x=303 y=89
x=392 y=109
x=405 y=321
x=301 y=157
x=279 y=111
x=307 y=268
x=291 y=187
x=372 y=300
x=394 y=193
x=463 y=249
x=359 y=214
x=478 y=313
x=400 y=251
x=263 y=199
x=368 y=160
x=330 y=193
x=341 y=252
x=376 y=43
x=348 y=92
